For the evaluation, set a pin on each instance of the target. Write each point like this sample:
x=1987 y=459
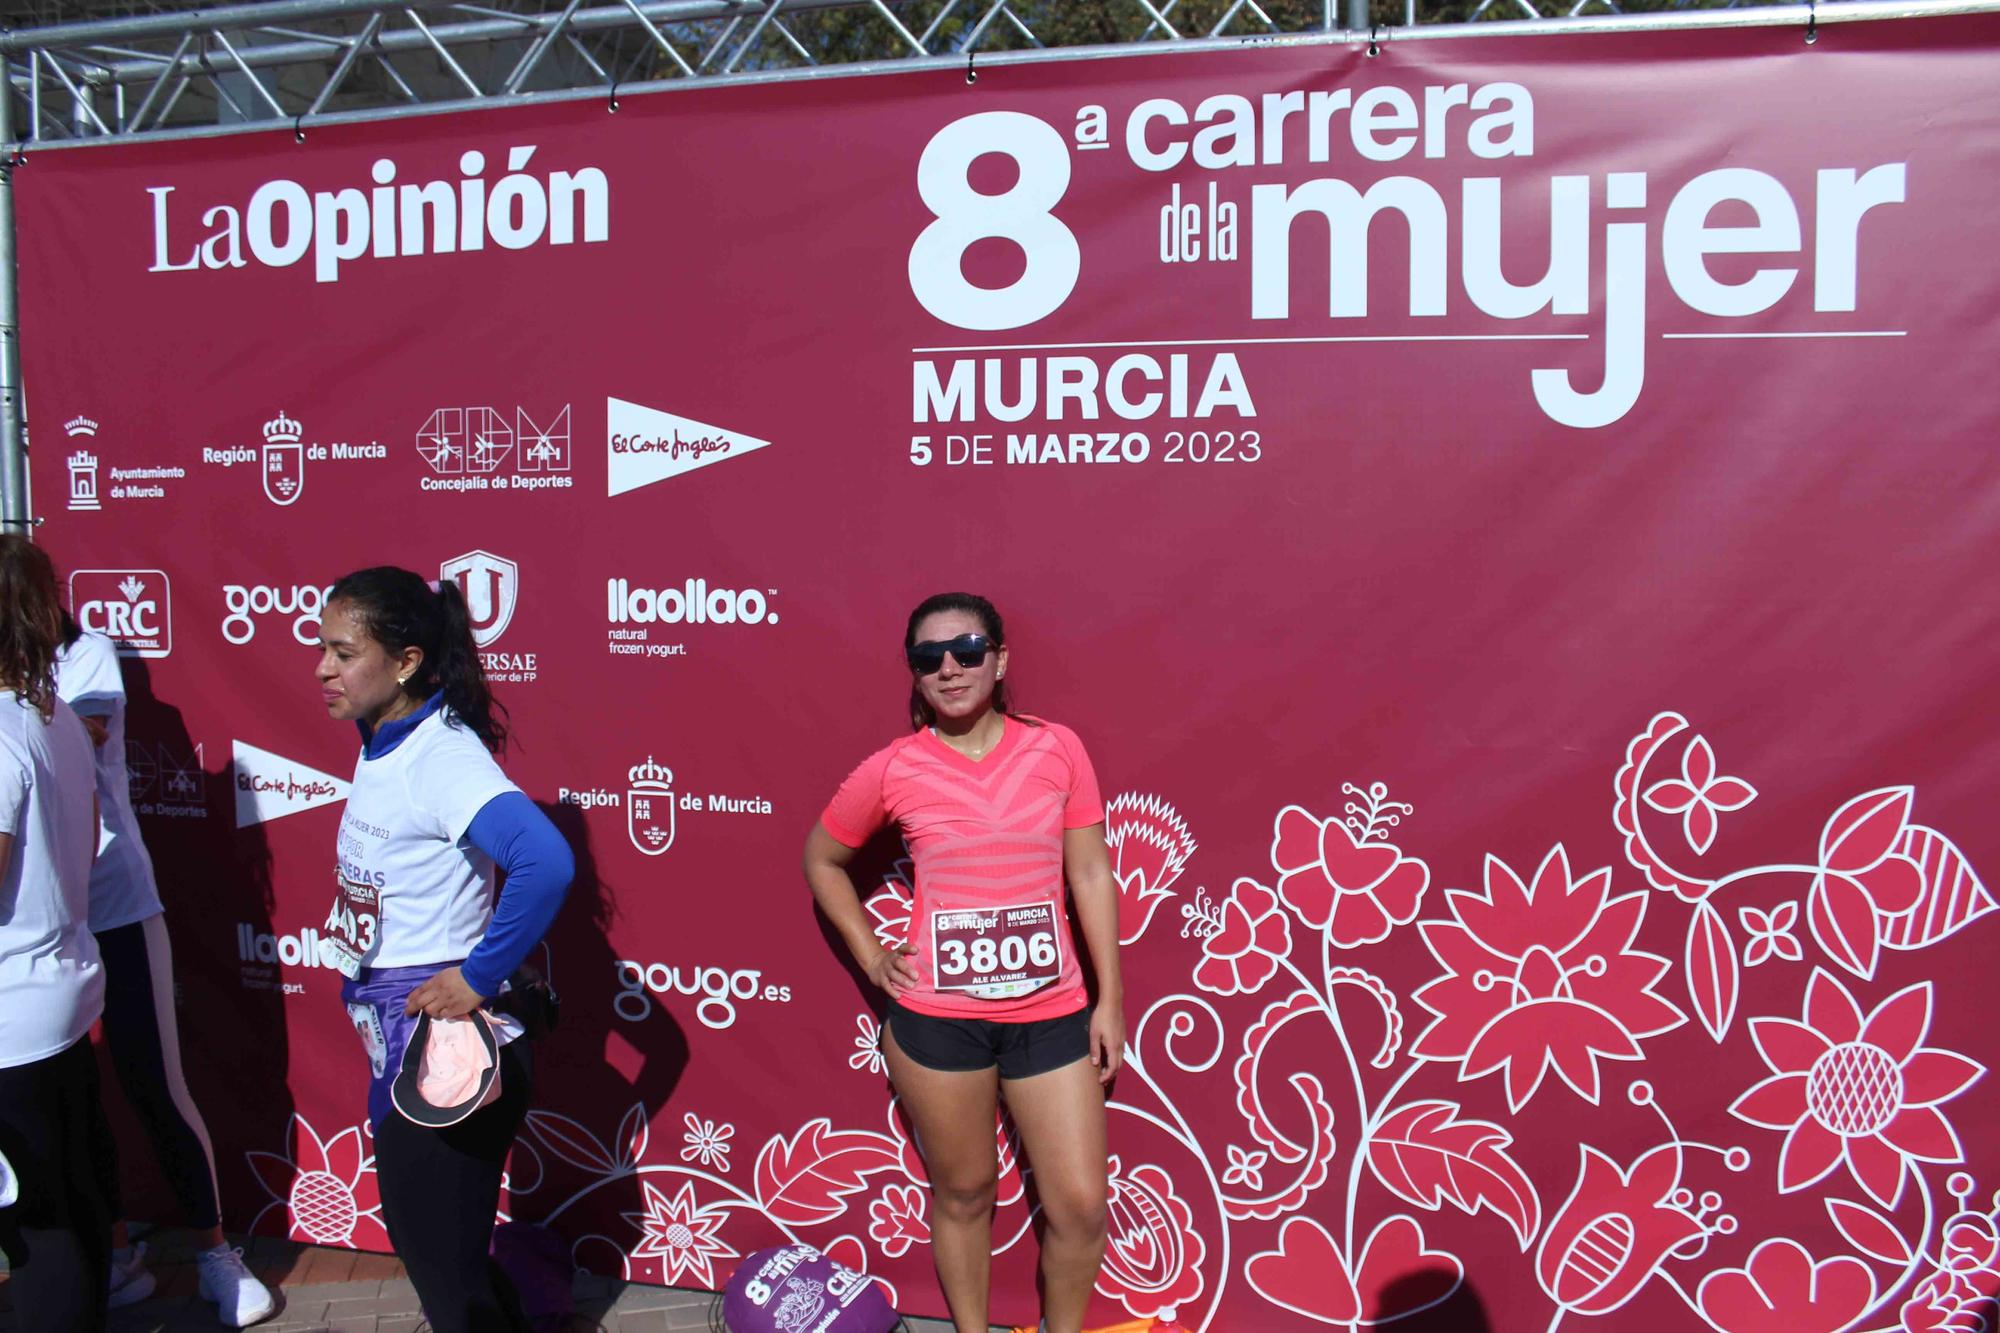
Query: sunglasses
x=968 y=650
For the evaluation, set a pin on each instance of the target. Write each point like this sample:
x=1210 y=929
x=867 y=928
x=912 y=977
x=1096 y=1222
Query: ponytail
x=399 y=609
x=458 y=672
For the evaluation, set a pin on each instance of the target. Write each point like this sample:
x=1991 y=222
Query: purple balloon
x=796 y=1289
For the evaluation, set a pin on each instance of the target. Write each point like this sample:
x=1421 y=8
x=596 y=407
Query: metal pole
x=1357 y=15
x=13 y=449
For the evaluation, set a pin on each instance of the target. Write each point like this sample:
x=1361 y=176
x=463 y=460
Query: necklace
x=974 y=753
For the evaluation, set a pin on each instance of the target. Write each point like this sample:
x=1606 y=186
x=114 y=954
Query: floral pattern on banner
x=320 y=1190
x=1298 y=1140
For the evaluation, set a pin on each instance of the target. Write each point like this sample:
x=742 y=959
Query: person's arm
x=826 y=859
x=13 y=804
x=1087 y=866
x=512 y=830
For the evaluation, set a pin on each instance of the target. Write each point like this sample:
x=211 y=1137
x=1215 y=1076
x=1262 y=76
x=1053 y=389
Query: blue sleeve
x=522 y=842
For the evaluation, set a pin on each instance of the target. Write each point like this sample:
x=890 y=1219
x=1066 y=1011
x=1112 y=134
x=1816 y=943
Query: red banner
x=1507 y=517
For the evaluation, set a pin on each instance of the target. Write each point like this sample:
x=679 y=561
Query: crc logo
x=302 y=602
x=719 y=988
x=649 y=807
x=474 y=441
x=491 y=584
x=131 y=607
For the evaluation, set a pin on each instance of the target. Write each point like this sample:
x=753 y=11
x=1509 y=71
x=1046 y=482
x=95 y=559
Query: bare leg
x=954 y=1116
x=1061 y=1118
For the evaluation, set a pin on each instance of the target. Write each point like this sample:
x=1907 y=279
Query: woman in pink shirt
x=986 y=995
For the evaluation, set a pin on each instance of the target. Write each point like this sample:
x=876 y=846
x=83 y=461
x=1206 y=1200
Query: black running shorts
x=964 y=1045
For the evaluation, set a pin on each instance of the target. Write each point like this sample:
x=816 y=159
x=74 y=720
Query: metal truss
x=231 y=66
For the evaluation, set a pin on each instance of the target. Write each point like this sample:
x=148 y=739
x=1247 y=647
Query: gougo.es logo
x=302 y=602
x=719 y=988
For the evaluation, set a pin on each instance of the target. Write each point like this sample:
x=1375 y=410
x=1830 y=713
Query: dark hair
x=398 y=610
x=972 y=604
x=31 y=622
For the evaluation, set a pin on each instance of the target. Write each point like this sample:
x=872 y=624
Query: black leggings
x=440 y=1188
x=57 y=1234
x=142 y=1037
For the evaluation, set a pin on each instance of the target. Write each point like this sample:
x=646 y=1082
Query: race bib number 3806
x=997 y=953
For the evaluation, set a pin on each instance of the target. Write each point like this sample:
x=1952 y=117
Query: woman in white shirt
x=61 y=1167
x=141 y=1029
x=416 y=925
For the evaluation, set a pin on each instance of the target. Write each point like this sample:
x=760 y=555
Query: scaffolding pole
x=14 y=510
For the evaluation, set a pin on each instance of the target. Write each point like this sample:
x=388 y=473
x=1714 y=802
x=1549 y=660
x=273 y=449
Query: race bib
x=368 y=1024
x=349 y=934
x=997 y=953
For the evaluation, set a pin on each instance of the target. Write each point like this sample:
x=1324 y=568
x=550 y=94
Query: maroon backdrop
x=1513 y=520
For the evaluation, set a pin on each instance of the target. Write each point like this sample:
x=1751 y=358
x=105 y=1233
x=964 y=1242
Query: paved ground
x=340 y=1291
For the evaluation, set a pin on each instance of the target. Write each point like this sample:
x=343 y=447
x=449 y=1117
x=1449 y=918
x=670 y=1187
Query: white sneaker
x=240 y=1299
x=131 y=1280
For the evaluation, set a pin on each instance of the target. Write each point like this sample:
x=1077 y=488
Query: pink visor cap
x=450 y=1069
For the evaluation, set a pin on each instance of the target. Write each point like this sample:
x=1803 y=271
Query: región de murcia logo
x=282 y=459
x=651 y=804
x=649 y=807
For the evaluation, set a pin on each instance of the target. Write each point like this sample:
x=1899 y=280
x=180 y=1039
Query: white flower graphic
x=867 y=1055
x=707 y=1142
x=1245 y=1168
x=322 y=1191
x=1698 y=794
x=1770 y=934
x=681 y=1236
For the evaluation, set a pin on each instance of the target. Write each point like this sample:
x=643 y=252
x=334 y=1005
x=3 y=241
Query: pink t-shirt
x=989 y=925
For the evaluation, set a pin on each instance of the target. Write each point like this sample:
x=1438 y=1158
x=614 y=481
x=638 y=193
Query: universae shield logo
x=284 y=460
x=491 y=584
x=649 y=807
